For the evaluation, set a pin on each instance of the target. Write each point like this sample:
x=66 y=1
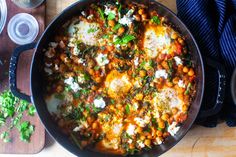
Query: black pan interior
x=37 y=83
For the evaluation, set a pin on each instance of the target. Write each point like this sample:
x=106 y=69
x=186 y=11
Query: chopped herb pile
x=13 y=109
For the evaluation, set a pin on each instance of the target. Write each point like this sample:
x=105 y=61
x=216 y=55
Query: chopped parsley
x=188 y=89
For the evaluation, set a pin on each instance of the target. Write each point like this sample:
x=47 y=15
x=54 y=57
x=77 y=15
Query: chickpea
x=137 y=17
x=174 y=111
x=94 y=87
x=180 y=90
x=165 y=116
x=111 y=23
x=94 y=125
x=110 y=48
x=185 y=69
x=141 y=11
x=159 y=133
x=98 y=79
x=161 y=124
x=142 y=73
x=144 y=17
x=191 y=72
x=142 y=137
x=139 y=96
x=121 y=30
x=169 y=84
x=174 y=36
x=138 y=130
x=63 y=56
x=175 y=80
x=165 y=64
x=147 y=142
x=91 y=71
x=185 y=108
x=181 y=41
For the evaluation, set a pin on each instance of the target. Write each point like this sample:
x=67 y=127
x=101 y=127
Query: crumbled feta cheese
x=99 y=103
x=49 y=53
x=135 y=106
x=140 y=144
x=53 y=44
x=76 y=51
x=130 y=130
x=102 y=59
x=48 y=64
x=125 y=20
x=108 y=10
x=173 y=129
x=178 y=61
x=83 y=124
x=80 y=60
x=161 y=73
x=48 y=71
x=130 y=141
x=73 y=85
x=130 y=12
x=181 y=84
x=83 y=13
x=140 y=121
x=117 y=128
x=56 y=67
x=136 y=60
x=90 y=17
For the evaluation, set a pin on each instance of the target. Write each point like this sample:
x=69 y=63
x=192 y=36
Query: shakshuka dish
x=119 y=78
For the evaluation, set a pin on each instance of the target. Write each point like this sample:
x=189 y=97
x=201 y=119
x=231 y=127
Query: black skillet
x=36 y=82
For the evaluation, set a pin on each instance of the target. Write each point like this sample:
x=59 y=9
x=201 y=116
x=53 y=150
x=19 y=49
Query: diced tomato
x=178 y=48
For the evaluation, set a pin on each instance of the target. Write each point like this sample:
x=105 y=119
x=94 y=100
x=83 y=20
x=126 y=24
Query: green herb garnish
x=116 y=27
x=26 y=130
x=5 y=137
x=101 y=12
x=156 y=20
x=111 y=16
x=125 y=40
x=188 y=89
x=127 y=109
x=31 y=110
x=92 y=30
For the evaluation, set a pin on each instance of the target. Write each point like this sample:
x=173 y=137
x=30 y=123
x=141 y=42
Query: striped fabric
x=213 y=24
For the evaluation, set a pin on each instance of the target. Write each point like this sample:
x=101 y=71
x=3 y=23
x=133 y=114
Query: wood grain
x=7 y=47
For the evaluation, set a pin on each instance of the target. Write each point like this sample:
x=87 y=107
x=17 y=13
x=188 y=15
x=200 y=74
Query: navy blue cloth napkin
x=213 y=24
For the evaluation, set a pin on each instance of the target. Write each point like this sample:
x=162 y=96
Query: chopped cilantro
x=26 y=130
x=31 y=110
x=15 y=121
x=96 y=68
x=92 y=30
x=101 y=12
x=156 y=20
x=127 y=109
x=112 y=101
x=111 y=16
x=125 y=40
x=5 y=137
x=116 y=27
x=105 y=36
x=188 y=89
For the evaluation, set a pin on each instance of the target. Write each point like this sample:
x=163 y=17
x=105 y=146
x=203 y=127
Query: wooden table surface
x=199 y=141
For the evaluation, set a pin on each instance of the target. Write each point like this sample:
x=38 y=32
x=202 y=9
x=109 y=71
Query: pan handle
x=221 y=89
x=13 y=70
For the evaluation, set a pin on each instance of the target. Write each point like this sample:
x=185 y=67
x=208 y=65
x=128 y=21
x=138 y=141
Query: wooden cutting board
x=23 y=81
